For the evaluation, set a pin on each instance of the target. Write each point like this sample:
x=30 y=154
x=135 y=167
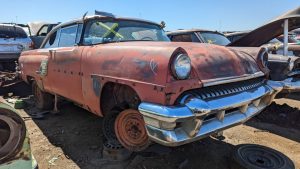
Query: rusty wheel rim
x=130 y=130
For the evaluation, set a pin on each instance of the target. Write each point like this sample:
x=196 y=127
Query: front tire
x=43 y=100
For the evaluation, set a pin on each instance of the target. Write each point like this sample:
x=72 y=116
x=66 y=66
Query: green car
x=15 y=152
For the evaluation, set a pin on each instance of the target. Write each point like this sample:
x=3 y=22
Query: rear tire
x=43 y=100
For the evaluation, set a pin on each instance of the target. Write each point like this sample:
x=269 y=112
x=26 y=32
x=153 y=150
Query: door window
x=43 y=31
x=68 y=36
x=53 y=40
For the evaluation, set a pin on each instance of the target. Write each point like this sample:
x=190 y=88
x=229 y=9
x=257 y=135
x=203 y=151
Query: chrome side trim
x=196 y=118
x=225 y=80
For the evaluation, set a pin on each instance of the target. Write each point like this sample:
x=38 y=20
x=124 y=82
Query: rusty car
x=15 y=151
x=146 y=88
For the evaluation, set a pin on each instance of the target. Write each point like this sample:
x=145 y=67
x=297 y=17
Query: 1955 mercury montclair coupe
x=146 y=87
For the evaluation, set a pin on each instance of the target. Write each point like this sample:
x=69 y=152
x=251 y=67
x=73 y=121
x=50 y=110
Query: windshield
x=12 y=32
x=214 y=38
x=122 y=30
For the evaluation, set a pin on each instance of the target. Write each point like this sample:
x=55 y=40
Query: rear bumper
x=197 y=118
x=291 y=84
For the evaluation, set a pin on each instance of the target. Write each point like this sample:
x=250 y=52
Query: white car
x=13 y=41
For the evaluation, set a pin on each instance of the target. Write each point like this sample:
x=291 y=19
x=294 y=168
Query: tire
x=108 y=128
x=43 y=100
x=251 y=156
x=12 y=141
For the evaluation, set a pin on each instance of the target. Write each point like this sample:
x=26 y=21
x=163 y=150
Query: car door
x=64 y=64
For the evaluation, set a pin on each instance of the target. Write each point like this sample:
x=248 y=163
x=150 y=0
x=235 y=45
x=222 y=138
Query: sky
x=221 y=15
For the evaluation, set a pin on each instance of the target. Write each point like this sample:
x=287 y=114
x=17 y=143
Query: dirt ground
x=73 y=139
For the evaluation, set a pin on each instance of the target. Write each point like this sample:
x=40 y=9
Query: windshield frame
x=88 y=21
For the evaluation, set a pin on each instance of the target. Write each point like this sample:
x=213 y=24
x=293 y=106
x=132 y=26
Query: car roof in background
x=180 y=31
x=270 y=30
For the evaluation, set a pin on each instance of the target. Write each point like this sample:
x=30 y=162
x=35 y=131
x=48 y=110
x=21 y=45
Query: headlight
x=181 y=67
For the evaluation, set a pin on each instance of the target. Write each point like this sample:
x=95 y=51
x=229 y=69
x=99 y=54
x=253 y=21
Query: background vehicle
x=39 y=30
x=13 y=40
x=146 y=87
x=198 y=35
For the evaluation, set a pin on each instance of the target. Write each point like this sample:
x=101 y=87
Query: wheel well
x=116 y=95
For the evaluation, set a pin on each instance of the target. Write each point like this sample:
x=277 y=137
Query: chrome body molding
x=194 y=118
x=291 y=84
x=232 y=79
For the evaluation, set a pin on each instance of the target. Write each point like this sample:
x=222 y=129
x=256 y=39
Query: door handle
x=52 y=53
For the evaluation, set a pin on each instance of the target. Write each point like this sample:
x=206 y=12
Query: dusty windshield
x=122 y=30
x=214 y=38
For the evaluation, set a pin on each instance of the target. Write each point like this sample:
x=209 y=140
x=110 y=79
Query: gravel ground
x=73 y=139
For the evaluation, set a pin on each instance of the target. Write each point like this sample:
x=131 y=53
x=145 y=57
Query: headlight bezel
x=175 y=68
x=264 y=56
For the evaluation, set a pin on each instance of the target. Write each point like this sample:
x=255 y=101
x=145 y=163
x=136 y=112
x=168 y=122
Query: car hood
x=269 y=31
x=210 y=62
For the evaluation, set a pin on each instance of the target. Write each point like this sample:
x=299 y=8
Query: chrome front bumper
x=291 y=84
x=196 y=118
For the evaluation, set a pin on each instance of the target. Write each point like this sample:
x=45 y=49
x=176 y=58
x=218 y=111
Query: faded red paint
x=75 y=72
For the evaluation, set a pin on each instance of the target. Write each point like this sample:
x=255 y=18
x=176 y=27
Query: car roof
x=81 y=20
x=180 y=31
x=10 y=24
x=237 y=33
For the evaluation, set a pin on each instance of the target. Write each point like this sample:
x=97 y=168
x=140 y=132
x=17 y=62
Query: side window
x=68 y=36
x=43 y=31
x=191 y=37
x=53 y=40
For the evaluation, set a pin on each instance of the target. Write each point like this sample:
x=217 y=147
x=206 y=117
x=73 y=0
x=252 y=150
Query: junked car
x=146 y=88
x=13 y=40
x=198 y=35
x=38 y=32
x=282 y=67
x=15 y=149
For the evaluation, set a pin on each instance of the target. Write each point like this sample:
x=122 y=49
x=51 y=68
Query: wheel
x=42 y=99
x=130 y=130
x=109 y=130
x=126 y=129
x=250 y=156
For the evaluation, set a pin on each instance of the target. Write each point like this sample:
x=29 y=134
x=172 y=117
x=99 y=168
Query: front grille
x=207 y=93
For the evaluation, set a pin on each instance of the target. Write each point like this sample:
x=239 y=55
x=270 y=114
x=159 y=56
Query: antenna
x=84 y=15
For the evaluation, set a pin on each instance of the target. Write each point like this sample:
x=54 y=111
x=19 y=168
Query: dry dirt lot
x=73 y=139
